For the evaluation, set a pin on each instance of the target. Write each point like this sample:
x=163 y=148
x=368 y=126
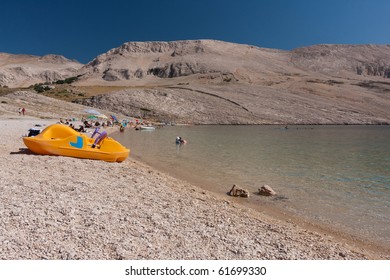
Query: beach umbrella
x=92 y=117
x=114 y=118
x=95 y=113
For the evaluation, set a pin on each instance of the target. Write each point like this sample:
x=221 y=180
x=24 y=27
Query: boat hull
x=150 y=128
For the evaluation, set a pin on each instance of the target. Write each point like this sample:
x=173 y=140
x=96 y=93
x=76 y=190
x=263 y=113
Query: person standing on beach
x=20 y=111
x=23 y=111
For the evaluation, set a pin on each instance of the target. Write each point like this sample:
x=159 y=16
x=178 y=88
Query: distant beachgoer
x=180 y=140
x=81 y=129
x=20 y=111
x=23 y=111
x=87 y=124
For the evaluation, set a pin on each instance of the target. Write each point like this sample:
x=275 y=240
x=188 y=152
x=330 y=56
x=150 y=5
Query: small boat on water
x=62 y=140
x=146 y=127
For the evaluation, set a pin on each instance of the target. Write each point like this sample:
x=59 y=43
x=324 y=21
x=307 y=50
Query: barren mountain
x=26 y=70
x=215 y=82
x=208 y=81
x=152 y=62
x=137 y=61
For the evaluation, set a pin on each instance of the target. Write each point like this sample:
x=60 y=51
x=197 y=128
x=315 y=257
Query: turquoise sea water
x=335 y=175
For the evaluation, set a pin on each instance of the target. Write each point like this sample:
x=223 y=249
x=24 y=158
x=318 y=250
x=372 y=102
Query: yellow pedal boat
x=62 y=140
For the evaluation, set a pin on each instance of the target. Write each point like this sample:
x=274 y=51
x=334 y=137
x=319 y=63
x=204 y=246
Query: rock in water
x=266 y=190
x=237 y=191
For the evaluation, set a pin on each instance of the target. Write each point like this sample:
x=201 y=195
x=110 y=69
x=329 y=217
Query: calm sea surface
x=334 y=175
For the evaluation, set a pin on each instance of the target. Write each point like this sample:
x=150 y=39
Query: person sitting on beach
x=81 y=129
x=87 y=124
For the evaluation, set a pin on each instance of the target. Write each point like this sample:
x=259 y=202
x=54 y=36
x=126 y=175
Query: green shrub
x=67 y=80
x=41 y=88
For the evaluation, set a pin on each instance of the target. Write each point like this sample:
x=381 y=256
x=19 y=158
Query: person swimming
x=180 y=140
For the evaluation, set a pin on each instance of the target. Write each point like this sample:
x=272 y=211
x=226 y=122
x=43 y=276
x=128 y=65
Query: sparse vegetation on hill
x=68 y=80
x=41 y=88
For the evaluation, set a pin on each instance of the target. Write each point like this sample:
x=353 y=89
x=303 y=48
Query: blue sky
x=82 y=30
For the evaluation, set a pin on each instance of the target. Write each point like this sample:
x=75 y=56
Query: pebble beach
x=54 y=207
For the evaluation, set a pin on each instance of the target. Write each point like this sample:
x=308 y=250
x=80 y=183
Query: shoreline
x=284 y=206
x=378 y=247
x=67 y=208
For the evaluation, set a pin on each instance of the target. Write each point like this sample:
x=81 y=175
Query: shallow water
x=335 y=175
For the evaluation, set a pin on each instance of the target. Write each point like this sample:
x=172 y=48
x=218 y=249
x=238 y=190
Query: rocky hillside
x=208 y=81
x=26 y=70
x=221 y=61
x=215 y=82
x=151 y=62
x=344 y=60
